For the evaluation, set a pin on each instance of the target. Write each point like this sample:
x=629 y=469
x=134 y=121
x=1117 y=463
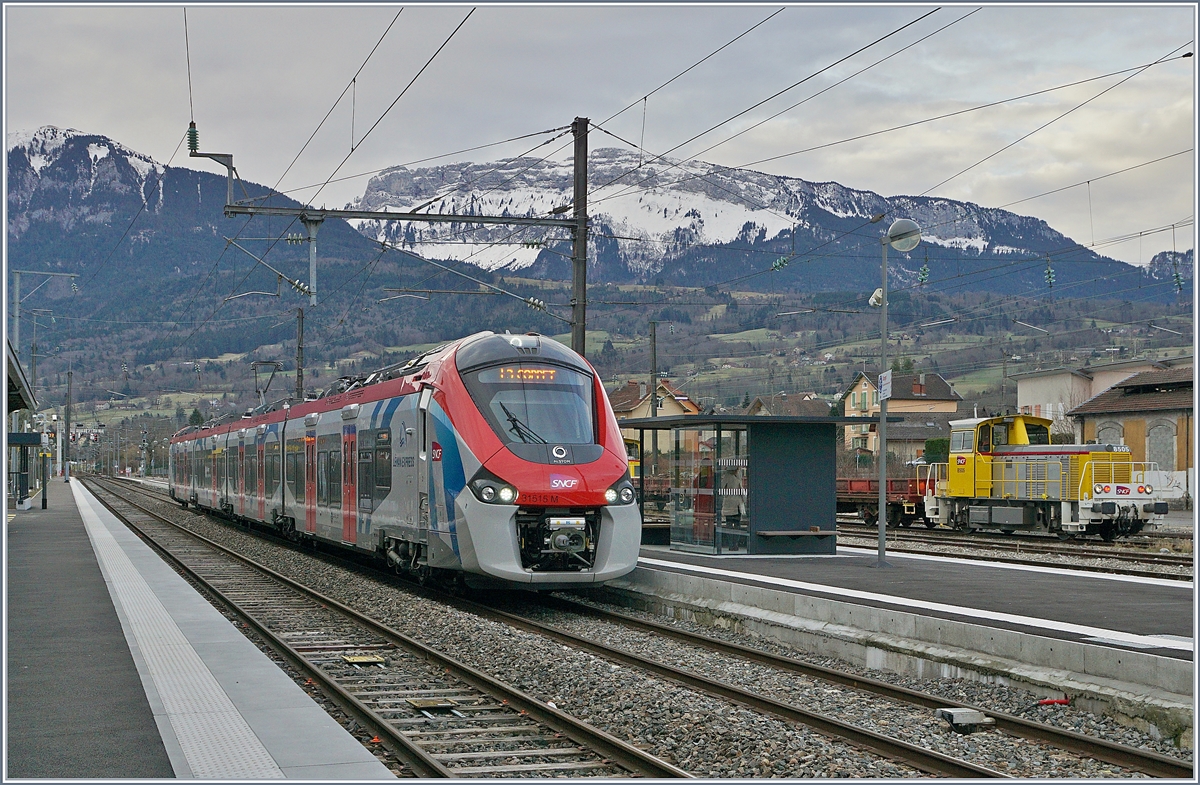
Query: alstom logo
x=561 y=482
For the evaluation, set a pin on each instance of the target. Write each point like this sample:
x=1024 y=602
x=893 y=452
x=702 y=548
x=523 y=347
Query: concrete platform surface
x=182 y=693
x=1144 y=614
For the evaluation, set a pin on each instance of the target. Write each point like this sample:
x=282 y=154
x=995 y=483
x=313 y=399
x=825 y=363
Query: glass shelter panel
x=709 y=493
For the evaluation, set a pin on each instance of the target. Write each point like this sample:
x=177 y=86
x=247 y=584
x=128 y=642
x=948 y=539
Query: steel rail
x=625 y=755
x=922 y=759
x=1152 y=763
x=1130 y=571
x=1147 y=762
x=416 y=758
x=1047 y=545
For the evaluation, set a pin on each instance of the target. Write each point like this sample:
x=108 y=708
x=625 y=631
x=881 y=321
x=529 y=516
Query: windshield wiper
x=520 y=429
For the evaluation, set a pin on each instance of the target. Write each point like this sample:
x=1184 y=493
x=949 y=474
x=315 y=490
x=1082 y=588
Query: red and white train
x=492 y=460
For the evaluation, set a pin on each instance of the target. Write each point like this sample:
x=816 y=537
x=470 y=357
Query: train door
x=983 y=461
x=365 y=478
x=260 y=447
x=240 y=480
x=349 y=485
x=310 y=481
x=961 y=468
x=425 y=437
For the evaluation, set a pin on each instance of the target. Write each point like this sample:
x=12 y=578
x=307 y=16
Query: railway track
x=441 y=717
x=908 y=542
x=923 y=759
x=1151 y=763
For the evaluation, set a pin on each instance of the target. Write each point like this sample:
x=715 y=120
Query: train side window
x=985 y=438
x=220 y=462
x=252 y=472
x=322 y=477
x=271 y=469
x=335 y=478
x=383 y=467
x=960 y=441
x=1000 y=435
x=423 y=415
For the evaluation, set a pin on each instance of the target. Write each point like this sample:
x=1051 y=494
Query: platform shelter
x=741 y=484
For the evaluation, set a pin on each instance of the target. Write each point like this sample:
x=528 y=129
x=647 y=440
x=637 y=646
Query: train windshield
x=534 y=403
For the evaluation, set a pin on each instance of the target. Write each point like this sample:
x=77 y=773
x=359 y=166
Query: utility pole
x=67 y=457
x=654 y=370
x=654 y=391
x=300 y=354
x=16 y=330
x=579 y=129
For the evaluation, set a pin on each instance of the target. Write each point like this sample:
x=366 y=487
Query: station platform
x=118 y=668
x=1145 y=614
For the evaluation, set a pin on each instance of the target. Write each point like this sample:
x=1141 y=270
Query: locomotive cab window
x=535 y=403
x=961 y=441
x=985 y=438
x=1038 y=434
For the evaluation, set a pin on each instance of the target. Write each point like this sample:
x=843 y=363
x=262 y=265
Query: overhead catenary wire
x=347 y=157
x=836 y=84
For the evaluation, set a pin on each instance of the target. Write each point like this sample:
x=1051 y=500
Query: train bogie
x=495 y=459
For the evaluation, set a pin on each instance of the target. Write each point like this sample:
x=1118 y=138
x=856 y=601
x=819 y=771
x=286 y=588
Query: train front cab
x=550 y=435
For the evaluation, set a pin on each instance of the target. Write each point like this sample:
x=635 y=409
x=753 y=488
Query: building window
x=1160 y=445
x=875 y=398
x=853 y=400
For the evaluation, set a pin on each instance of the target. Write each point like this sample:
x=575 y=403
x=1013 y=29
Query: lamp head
x=876 y=299
x=904 y=234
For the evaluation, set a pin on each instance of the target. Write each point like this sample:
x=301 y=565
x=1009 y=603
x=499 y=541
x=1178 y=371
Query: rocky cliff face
x=650 y=215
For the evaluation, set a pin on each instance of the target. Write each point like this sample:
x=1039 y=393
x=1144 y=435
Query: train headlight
x=490 y=489
x=1149 y=489
x=620 y=493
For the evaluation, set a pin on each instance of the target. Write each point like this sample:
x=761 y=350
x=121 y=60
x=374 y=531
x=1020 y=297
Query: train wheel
x=1108 y=531
x=1062 y=535
x=1009 y=531
x=930 y=524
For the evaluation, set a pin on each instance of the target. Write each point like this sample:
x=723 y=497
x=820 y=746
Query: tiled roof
x=627 y=398
x=1145 y=392
x=789 y=406
x=624 y=399
x=921 y=426
x=936 y=388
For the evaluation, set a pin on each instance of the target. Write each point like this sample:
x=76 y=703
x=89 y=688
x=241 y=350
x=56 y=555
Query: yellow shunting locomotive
x=1003 y=473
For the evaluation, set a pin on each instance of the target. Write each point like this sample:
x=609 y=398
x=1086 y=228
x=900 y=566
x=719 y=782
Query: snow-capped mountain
x=660 y=218
x=91 y=176
x=84 y=199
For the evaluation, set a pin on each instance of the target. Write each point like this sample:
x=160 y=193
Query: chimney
x=641 y=389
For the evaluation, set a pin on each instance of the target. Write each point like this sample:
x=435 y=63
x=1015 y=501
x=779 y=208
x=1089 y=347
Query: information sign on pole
x=885 y=386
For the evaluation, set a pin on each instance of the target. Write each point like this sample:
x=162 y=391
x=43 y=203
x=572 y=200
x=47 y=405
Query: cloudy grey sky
x=263 y=77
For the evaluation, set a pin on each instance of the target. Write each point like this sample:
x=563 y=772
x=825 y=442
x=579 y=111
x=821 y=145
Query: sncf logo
x=561 y=482
x=1122 y=490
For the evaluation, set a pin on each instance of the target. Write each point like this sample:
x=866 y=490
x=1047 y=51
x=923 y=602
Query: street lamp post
x=903 y=235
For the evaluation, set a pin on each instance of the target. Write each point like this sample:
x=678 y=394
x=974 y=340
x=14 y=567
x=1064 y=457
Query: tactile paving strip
x=214 y=737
